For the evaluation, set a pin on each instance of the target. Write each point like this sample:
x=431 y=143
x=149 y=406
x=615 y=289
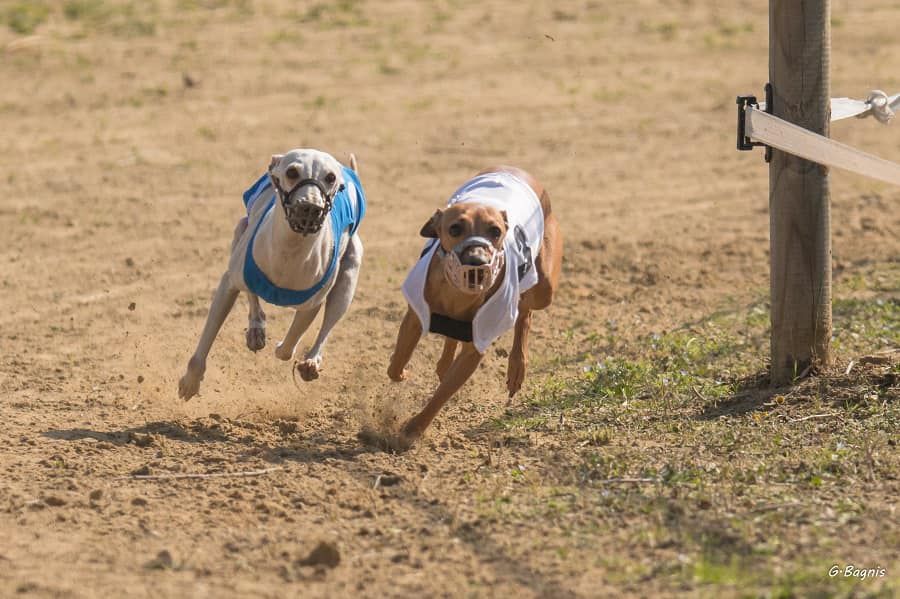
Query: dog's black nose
x=475 y=256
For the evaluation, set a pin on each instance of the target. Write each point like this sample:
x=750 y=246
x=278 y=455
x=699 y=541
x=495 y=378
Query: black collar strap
x=450 y=327
x=286 y=196
x=311 y=181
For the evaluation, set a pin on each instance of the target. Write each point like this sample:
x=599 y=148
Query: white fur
x=289 y=260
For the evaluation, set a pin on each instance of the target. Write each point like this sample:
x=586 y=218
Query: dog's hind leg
x=256 y=326
x=221 y=305
x=336 y=305
x=518 y=357
x=539 y=297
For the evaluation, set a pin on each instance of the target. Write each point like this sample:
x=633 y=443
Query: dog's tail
x=353 y=163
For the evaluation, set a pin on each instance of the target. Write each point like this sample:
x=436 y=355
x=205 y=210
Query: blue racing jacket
x=347 y=211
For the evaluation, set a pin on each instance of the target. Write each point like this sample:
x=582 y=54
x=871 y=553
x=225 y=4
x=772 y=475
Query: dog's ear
x=430 y=228
x=276 y=158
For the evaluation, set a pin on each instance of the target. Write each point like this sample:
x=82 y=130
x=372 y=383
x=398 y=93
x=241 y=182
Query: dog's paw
x=188 y=386
x=308 y=369
x=398 y=376
x=412 y=431
x=256 y=338
x=284 y=352
x=515 y=374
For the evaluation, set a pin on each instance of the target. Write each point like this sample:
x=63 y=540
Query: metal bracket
x=743 y=141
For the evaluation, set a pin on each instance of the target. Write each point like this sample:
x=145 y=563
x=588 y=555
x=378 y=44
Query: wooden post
x=799 y=199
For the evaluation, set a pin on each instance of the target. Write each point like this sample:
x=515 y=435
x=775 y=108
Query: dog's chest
x=290 y=274
x=442 y=299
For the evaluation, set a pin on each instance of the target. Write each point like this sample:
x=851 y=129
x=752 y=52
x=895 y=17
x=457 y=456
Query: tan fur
x=453 y=368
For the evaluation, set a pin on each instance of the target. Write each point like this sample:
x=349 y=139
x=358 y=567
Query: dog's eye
x=495 y=232
x=455 y=230
x=330 y=178
x=291 y=172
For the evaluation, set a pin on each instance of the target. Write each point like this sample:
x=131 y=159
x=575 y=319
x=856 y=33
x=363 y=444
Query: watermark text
x=851 y=571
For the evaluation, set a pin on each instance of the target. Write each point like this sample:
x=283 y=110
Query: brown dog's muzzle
x=473 y=265
x=475 y=255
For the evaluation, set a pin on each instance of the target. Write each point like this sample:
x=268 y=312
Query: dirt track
x=128 y=137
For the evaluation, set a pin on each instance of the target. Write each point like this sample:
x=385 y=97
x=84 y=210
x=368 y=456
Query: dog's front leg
x=518 y=356
x=256 y=325
x=302 y=319
x=221 y=305
x=336 y=305
x=407 y=339
x=458 y=373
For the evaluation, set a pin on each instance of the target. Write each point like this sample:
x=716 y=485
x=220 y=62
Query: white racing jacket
x=503 y=191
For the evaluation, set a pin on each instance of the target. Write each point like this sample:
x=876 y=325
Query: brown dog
x=472 y=235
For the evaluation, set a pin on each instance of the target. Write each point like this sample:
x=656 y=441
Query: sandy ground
x=128 y=138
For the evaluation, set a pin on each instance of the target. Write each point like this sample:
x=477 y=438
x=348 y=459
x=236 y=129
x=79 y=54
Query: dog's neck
x=289 y=259
x=444 y=298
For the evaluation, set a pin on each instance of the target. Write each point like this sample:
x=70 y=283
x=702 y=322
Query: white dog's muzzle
x=470 y=278
x=305 y=217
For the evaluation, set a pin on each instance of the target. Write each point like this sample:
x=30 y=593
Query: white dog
x=302 y=254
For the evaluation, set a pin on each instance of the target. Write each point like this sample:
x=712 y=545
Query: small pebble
x=162 y=561
x=325 y=554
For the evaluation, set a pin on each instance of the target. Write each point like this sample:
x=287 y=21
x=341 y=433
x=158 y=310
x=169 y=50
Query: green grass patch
x=667 y=30
x=125 y=19
x=705 y=361
x=25 y=17
x=708 y=361
x=727 y=35
x=79 y=10
x=870 y=324
x=671 y=448
x=135 y=18
x=804 y=580
x=333 y=15
x=242 y=6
